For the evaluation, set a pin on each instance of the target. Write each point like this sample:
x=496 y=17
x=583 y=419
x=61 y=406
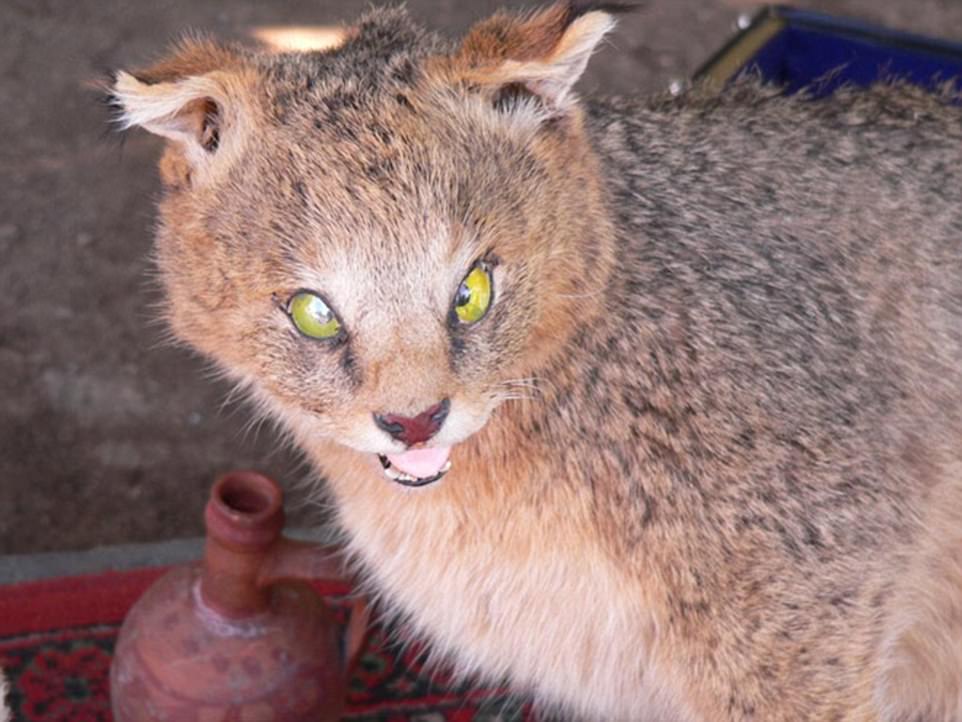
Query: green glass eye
x=474 y=295
x=312 y=316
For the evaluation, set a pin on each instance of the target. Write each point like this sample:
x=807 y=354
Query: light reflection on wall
x=304 y=37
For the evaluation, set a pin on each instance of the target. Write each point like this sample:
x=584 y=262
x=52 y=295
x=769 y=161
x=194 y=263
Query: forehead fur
x=382 y=51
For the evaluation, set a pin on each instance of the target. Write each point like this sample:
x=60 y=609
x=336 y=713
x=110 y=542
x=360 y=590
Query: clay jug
x=239 y=636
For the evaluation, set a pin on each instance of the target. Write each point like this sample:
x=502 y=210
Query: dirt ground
x=107 y=435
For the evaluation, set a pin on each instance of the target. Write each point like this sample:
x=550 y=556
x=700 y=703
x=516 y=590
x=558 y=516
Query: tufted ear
x=542 y=54
x=195 y=98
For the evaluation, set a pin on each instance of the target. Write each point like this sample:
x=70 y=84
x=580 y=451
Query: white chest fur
x=535 y=605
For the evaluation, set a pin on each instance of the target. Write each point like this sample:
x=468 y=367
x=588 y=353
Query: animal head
x=377 y=238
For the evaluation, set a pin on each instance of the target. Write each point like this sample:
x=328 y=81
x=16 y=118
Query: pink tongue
x=420 y=463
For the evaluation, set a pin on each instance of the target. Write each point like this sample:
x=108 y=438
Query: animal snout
x=413 y=430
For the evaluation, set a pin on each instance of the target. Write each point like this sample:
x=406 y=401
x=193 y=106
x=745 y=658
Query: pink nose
x=413 y=430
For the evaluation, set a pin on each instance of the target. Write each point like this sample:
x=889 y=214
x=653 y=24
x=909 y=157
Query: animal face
x=380 y=241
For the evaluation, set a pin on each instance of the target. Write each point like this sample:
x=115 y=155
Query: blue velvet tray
x=802 y=49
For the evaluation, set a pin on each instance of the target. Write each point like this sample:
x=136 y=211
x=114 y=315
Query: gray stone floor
x=17 y=568
x=108 y=436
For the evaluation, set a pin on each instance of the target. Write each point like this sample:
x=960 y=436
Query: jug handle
x=358 y=631
x=293 y=559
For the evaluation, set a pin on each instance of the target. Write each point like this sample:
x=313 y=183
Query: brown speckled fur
x=707 y=456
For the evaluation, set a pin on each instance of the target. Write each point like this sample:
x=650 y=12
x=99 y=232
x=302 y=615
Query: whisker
x=508 y=396
x=586 y=294
x=238 y=390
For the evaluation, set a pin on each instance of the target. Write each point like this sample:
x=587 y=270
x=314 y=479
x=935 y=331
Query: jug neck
x=230 y=581
x=245 y=552
x=244 y=518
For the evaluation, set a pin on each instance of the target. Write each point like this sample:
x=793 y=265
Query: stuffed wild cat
x=651 y=407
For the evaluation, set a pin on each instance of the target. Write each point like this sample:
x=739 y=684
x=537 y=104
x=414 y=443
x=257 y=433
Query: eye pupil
x=464 y=295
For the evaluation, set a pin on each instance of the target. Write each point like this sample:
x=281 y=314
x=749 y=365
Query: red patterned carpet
x=56 y=640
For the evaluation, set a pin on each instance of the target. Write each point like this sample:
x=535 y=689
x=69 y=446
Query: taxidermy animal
x=652 y=407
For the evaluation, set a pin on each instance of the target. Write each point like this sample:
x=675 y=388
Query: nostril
x=390 y=425
x=439 y=412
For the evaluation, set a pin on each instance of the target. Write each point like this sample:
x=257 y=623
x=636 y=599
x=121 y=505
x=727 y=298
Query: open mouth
x=417 y=467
